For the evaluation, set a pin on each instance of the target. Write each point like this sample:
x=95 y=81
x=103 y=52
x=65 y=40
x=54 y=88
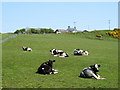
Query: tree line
x=34 y=31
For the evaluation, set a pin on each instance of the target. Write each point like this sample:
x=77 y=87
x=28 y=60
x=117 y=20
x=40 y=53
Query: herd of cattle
x=47 y=67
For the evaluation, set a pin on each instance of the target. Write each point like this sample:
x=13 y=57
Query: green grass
x=19 y=67
x=0 y=65
x=92 y=34
x=6 y=35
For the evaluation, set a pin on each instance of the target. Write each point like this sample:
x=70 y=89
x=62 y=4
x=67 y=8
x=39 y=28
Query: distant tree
x=20 y=31
x=34 y=31
x=28 y=31
x=17 y=31
x=45 y=30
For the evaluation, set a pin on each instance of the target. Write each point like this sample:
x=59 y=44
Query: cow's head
x=24 y=48
x=95 y=67
x=53 y=51
x=50 y=62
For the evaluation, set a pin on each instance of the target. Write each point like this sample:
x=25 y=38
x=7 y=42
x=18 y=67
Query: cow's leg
x=54 y=70
x=55 y=55
x=61 y=56
x=100 y=77
x=96 y=77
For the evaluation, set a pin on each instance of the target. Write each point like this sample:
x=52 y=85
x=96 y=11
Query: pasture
x=19 y=67
x=5 y=35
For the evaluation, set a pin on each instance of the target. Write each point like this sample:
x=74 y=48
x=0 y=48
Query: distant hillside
x=104 y=34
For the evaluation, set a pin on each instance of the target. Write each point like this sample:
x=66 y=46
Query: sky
x=58 y=15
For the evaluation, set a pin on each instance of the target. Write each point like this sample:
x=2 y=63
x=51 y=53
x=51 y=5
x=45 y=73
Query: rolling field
x=19 y=67
x=6 y=35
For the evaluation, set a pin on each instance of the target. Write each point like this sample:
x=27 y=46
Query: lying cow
x=58 y=53
x=26 y=49
x=91 y=72
x=80 y=52
x=46 y=68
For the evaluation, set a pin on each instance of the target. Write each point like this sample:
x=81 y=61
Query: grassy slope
x=6 y=35
x=0 y=65
x=19 y=67
x=93 y=34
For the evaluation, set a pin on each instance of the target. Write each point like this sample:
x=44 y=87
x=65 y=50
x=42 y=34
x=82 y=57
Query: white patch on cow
x=96 y=66
x=42 y=68
x=55 y=55
x=53 y=51
x=29 y=49
x=85 y=53
x=59 y=50
x=63 y=55
x=55 y=72
x=80 y=51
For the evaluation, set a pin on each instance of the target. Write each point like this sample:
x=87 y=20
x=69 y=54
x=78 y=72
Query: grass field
x=92 y=34
x=19 y=67
x=5 y=35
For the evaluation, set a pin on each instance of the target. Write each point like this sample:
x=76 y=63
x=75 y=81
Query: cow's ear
x=98 y=65
x=53 y=60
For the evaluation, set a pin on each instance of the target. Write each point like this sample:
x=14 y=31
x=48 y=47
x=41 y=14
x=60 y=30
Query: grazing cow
x=91 y=72
x=46 y=68
x=59 y=53
x=80 y=52
x=26 y=49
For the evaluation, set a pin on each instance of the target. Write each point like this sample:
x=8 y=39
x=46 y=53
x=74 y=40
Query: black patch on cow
x=24 y=48
x=46 y=67
x=67 y=55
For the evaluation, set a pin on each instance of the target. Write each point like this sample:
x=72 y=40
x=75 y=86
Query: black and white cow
x=91 y=72
x=47 y=68
x=80 y=52
x=59 y=53
x=26 y=49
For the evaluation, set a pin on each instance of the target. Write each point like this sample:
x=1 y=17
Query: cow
x=26 y=49
x=91 y=72
x=59 y=53
x=80 y=52
x=47 y=68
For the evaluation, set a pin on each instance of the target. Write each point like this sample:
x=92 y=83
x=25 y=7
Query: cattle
x=26 y=49
x=47 y=68
x=91 y=72
x=80 y=52
x=59 y=53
